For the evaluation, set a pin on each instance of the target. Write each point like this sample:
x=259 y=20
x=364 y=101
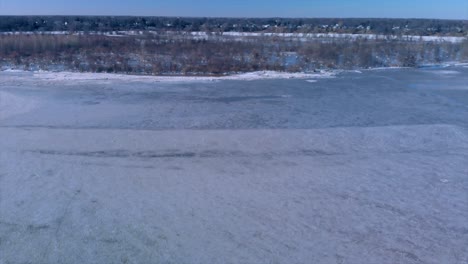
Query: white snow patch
x=302 y=36
x=277 y=75
x=386 y=68
x=451 y=39
x=13 y=70
x=446 y=72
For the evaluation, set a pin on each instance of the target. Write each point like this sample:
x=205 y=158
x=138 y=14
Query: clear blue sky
x=451 y=9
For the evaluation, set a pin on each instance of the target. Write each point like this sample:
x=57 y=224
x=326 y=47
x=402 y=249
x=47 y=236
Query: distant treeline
x=181 y=54
x=424 y=27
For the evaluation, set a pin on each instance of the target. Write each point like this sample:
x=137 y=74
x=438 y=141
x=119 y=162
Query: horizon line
x=238 y=17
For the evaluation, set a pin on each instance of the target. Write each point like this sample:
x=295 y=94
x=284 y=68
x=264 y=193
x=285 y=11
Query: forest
x=423 y=27
x=182 y=54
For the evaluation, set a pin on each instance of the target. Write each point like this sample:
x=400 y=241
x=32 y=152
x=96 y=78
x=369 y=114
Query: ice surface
x=367 y=195
x=11 y=105
x=362 y=168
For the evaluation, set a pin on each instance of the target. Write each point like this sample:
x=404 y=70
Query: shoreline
x=248 y=76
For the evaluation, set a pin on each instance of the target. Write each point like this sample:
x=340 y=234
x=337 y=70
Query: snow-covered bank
x=64 y=76
x=260 y=75
x=423 y=66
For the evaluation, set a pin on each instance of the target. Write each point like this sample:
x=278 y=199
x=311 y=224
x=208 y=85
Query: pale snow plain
x=243 y=35
x=367 y=167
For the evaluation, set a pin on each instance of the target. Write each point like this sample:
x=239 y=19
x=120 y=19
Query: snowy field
x=242 y=35
x=310 y=36
x=358 y=167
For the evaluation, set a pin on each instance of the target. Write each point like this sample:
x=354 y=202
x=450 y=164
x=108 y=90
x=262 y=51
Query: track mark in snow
x=181 y=154
x=161 y=154
x=60 y=221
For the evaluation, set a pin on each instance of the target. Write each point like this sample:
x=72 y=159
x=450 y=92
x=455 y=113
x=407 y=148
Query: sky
x=447 y=9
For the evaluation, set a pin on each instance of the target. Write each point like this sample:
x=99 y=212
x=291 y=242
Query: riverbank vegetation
x=185 y=54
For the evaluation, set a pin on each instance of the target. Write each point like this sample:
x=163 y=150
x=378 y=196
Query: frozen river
x=367 y=167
